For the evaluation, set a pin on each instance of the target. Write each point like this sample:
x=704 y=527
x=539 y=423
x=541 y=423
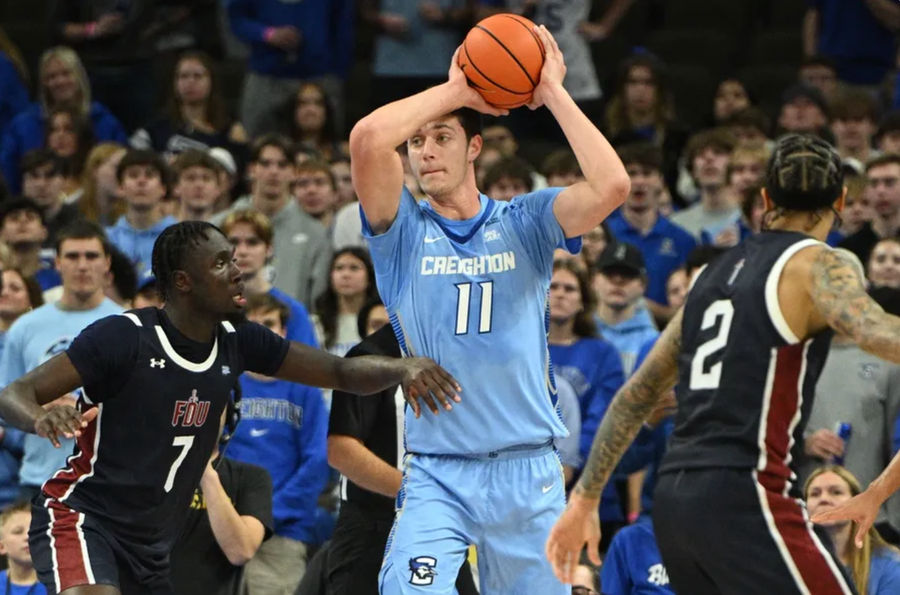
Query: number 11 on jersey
x=464 y=298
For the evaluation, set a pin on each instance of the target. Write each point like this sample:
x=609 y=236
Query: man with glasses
x=883 y=178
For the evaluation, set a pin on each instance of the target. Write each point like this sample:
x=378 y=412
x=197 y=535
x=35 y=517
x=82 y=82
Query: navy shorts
x=71 y=548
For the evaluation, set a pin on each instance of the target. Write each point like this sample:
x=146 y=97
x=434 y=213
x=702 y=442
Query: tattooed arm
x=839 y=296
x=633 y=403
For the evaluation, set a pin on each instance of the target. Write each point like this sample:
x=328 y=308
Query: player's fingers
x=593 y=549
x=549 y=40
x=413 y=402
x=89 y=416
x=425 y=395
x=444 y=389
x=861 y=531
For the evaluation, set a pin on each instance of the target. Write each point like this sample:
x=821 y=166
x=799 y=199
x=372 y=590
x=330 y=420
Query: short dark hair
x=146 y=157
x=317 y=165
x=172 y=247
x=265 y=302
x=21 y=204
x=890 y=122
x=195 y=158
x=280 y=142
x=854 y=105
x=885 y=159
x=514 y=168
x=39 y=158
x=818 y=60
x=643 y=153
x=804 y=173
x=559 y=163
x=82 y=229
x=470 y=120
x=717 y=138
x=124 y=274
x=751 y=117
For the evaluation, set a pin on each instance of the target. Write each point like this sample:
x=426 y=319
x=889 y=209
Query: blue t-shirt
x=884 y=572
x=299 y=326
x=10 y=589
x=472 y=295
x=629 y=336
x=862 y=48
x=33 y=339
x=633 y=564
x=137 y=244
x=665 y=248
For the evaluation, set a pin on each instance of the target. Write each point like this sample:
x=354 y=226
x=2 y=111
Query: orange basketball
x=502 y=58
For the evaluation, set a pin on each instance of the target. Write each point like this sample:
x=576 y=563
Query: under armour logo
x=157 y=363
x=226 y=370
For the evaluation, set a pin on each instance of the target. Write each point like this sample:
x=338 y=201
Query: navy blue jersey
x=746 y=382
x=160 y=397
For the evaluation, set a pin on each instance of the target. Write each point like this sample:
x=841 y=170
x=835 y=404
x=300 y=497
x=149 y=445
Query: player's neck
x=812 y=224
x=73 y=302
x=21 y=574
x=257 y=284
x=194 y=325
x=561 y=332
x=460 y=203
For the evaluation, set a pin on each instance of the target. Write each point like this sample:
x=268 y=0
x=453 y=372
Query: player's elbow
x=240 y=555
x=366 y=136
x=608 y=195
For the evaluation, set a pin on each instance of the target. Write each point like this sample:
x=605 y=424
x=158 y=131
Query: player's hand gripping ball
x=502 y=58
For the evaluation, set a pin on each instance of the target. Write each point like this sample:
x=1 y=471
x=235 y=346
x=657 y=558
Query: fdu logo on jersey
x=190 y=412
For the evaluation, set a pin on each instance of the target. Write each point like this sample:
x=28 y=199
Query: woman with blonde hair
x=100 y=200
x=875 y=566
x=62 y=82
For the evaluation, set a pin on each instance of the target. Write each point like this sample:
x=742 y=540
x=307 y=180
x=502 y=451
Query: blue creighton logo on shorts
x=422 y=570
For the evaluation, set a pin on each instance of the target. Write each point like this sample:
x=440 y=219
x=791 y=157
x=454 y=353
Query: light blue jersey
x=33 y=339
x=472 y=296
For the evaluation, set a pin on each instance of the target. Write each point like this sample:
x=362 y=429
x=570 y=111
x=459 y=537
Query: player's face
x=853 y=133
x=142 y=187
x=506 y=189
x=83 y=266
x=60 y=82
x=14 y=299
x=198 y=187
x=710 y=166
x=315 y=192
x=270 y=319
x=43 y=186
x=677 y=288
x=272 y=173
x=646 y=186
x=884 y=264
x=341 y=172
x=250 y=252
x=217 y=284
x=746 y=173
x=618 y=289
x=23 y=227
x=825 y=492
x=884 y=189
x=592 y=244
x=378 y=317
x=439 y=155
x=349 y=277
x=731 y=97
x=14 y=538
x=62 y=139
x=565 y=296
x=192 y=81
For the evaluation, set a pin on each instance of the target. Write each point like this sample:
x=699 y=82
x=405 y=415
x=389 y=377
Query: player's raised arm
x=582 y=206
x=21 y=402
x=632 y=405
x=420 y=377
x=375 y=165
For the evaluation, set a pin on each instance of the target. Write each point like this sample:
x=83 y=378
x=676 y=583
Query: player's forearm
x=599 y=162
x=238 y=541
x=363 y=467
x=888 y=481
x=19 y=406
x=390 y=125
x=368 y=374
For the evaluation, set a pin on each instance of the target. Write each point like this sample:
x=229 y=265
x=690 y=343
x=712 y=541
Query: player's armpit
x=580 y=208
x=839 y=295
x=630 y=408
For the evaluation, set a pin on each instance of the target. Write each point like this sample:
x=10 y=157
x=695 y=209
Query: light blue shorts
x=504 y=503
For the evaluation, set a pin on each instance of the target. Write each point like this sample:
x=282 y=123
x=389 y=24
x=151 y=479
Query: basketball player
x=465 y=280
x=156 y=382
x=746 y=351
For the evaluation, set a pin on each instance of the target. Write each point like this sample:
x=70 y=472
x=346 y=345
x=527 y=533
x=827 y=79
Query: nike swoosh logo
x=432 y=240
x=546 y=489
x=254 y=433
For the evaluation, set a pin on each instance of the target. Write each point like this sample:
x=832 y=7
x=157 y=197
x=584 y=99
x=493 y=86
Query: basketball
x=502 y=58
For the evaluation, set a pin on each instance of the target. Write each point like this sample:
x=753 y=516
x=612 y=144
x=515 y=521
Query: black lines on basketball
x=534 y=36
x=511 y=55
x=487 y=78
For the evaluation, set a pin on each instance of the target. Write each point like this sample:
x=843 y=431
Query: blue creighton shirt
x=472 y=295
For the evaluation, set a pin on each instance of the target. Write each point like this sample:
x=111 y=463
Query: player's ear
x=182 y=282
x=475 y=145
x=841 y=202
x=767 y=200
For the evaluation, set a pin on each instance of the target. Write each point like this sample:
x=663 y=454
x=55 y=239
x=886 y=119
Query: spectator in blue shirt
x=22 y=229
x=290 y=42
x=633 y=564
x=620 y=279
x=664 y=245
x=284 y=429
x=13 y=75
x=143 y=182
x=62 y=81
x=875 y=567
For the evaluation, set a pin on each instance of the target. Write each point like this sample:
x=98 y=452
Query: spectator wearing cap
x=663 y=244
x=290 y=42
x=620 y=279
x=143 y=183
x=707 y=155
x=887 y=138
x=42 y=182
x=858 y=36
x=803 y=109
x=198 y=185
x=22 y=228
x=854 y=116
x=821 y=73
x=883 y=179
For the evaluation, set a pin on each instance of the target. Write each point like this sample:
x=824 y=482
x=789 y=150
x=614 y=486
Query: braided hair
x=171 y=248
x=804 y=173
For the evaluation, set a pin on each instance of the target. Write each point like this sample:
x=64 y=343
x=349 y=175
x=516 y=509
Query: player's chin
x=236 y=317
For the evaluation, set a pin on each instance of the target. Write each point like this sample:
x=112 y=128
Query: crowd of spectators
x=118 y=119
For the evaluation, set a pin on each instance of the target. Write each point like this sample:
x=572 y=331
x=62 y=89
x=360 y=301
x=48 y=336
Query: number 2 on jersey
x=185 y=442
x=721 y=312
x=464 y=297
